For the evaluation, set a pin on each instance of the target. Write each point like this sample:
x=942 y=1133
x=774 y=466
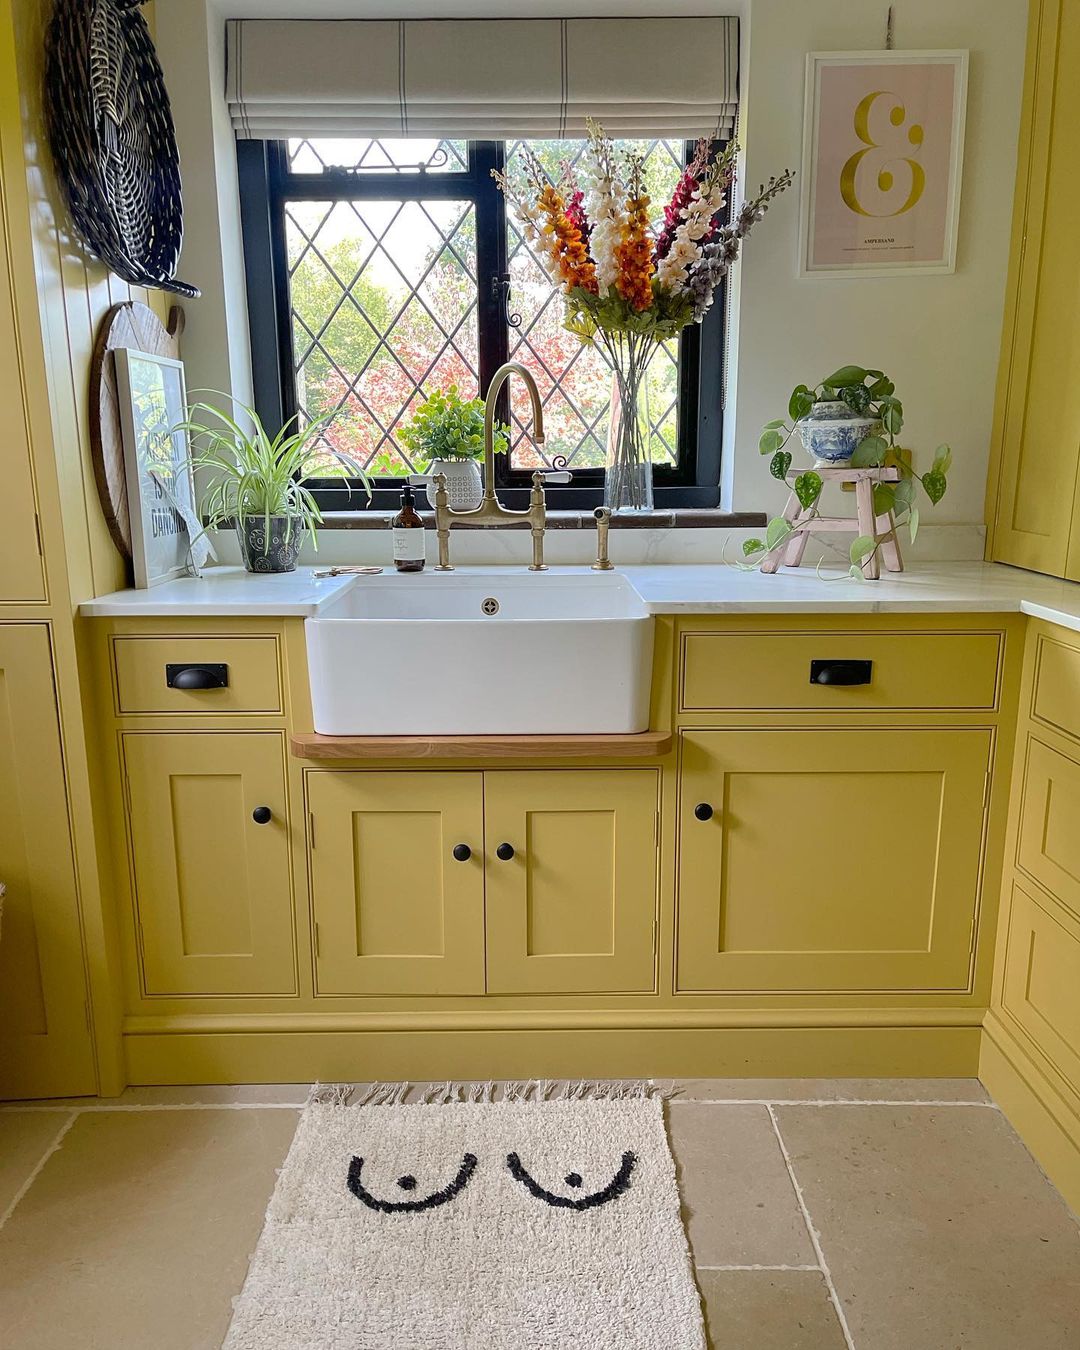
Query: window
x=377 y=271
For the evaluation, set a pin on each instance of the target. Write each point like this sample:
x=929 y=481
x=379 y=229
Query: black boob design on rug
x=408 y=1183
x=618 y=1184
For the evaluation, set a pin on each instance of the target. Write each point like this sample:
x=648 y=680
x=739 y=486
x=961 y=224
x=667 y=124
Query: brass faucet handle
x=551 y=476
x=603 y=523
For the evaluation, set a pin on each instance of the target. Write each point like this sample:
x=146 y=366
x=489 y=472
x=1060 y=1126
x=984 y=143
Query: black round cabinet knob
x=505 y=852
x=462 y=852
x=703 y=811
x=262 y=815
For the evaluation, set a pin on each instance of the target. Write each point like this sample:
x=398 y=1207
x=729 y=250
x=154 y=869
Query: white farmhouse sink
x=485 y=653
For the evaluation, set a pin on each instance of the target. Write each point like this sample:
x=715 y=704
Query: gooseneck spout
x=491 y=511
x=497 y=381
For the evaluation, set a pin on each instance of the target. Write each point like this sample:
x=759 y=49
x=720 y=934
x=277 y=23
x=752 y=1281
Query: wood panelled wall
x=75 y=292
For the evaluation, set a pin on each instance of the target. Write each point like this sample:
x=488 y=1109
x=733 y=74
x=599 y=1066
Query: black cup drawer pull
x=840 y=672
x=209 y=675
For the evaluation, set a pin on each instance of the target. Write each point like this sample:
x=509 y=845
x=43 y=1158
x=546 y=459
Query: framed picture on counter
x=157 y=462
x=883 y=142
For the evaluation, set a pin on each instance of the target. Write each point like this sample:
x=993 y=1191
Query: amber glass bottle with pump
x=409 y=537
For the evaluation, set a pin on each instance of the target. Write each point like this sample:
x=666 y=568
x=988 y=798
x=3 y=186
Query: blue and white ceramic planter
x=832 y=431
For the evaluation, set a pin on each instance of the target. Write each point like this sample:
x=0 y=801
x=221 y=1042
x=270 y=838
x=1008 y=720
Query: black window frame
x=267 y=183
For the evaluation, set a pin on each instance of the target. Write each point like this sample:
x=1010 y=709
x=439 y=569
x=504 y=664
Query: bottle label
x=409 y=544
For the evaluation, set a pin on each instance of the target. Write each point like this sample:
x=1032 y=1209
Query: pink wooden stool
x=803 y=523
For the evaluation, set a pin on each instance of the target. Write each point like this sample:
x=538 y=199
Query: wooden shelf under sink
x=636 y=746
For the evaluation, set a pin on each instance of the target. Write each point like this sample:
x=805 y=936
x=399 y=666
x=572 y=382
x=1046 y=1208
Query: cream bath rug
x=517 y=1224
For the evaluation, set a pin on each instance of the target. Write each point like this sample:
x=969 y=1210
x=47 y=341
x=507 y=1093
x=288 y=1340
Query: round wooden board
x=135 y=326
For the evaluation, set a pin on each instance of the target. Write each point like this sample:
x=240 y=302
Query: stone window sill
x=678 y=518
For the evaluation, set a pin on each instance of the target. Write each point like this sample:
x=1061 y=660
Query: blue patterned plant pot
x=832 y=431
x=275 y=550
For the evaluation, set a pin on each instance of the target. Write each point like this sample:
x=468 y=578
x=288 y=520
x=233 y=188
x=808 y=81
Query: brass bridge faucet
x=491 y=510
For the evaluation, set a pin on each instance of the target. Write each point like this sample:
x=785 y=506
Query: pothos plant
x=870 y=394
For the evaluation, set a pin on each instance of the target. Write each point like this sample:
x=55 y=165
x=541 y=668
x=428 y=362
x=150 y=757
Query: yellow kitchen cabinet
x=209 y=840
x=830 y=861
x=1035 y=480
x=571 y=880
x=45 y=1047
x=396 y=909
x=1041 y=977
x=1048 y=842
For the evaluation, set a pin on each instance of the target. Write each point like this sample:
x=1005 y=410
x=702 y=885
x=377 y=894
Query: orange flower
x=634 y=252
x=575 y=266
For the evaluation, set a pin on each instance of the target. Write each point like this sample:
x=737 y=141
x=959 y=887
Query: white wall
x=937 y=336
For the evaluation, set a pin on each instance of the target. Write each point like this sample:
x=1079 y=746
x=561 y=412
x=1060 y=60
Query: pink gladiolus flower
x=680 y=199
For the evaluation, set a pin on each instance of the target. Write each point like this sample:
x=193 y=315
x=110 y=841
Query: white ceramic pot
x=464 y=485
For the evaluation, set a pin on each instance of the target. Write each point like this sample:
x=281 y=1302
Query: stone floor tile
x=940 y=1231
x=137 y=1231
x=769 y=1310
x=737 y=1197
x=24 y=1138
x=827 y=1089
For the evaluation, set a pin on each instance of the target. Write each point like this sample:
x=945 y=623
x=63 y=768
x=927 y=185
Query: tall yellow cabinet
x=59 y=1005
x=1033 y=506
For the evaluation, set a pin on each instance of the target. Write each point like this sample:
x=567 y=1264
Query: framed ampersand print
x=883 y=142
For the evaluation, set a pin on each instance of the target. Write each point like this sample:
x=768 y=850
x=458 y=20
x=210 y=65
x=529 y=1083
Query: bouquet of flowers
x=624 y=285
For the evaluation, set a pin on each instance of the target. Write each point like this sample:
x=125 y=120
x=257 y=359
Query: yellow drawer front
x=829 y=862
x=744 y=671
x=1049 y=844
x=1042 y=980
x=1056 y=700
x=254 y=675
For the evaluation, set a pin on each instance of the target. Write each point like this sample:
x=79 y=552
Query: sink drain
x=490 y=605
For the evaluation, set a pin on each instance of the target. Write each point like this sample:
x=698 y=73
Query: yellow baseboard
x=733 y=1052
x=1044 y=1120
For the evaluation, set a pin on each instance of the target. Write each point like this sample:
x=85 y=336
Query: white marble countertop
x=943 y=588
x=223 y=591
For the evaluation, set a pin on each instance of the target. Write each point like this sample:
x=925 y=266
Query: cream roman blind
x=482 y=79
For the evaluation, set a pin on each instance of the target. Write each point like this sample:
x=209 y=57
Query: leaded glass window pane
x=382 y=304
x=320 y=153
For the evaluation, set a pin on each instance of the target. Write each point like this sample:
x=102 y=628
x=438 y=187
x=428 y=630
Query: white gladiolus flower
x=604 y=203
x=696 y=224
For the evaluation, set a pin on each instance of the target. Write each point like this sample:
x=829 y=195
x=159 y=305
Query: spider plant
x=255 y=476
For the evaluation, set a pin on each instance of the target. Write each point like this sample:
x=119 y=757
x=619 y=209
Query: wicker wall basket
x=111 y=130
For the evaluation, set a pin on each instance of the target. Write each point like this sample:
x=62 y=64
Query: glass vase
x=628 y=472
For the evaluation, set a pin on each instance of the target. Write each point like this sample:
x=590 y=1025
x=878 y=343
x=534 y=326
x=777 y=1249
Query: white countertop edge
x=668 y=588
x=1062 y=617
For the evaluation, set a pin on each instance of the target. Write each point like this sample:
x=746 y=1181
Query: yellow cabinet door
x=837 y=861
x=396 y=912
x=45 y=1048
x=213 y=889
x=1038 y=425
x=572 y=908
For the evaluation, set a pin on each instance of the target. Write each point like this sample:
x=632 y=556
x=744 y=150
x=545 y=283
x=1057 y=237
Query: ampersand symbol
x=885 y=156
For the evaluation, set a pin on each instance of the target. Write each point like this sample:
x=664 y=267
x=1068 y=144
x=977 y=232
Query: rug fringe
x=477 y=1091
x=329 y=1094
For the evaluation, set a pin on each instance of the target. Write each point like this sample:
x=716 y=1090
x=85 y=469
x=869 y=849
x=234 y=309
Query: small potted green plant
x=257 y=482
x=834 y=418
x=447 y=432
x=863 y=437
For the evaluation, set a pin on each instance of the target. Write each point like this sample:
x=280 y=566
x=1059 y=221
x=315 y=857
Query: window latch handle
x=500 y=292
